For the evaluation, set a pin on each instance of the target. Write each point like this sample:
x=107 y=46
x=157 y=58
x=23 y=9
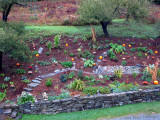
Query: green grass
x=100 y=113
x=119 y=28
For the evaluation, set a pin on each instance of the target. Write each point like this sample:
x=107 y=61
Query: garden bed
x=63 y=54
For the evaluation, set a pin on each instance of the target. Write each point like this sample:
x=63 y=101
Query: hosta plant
x=88 y=63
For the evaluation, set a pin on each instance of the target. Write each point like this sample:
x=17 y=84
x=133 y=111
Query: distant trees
x=6 y=5
x=104 y=11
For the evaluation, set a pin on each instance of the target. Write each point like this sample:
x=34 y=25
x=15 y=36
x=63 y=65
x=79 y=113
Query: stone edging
x=84 y=103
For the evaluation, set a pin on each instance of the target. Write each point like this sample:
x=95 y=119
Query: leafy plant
x=134 y=75
x=7 y=79
x=150 y=52
x=140 y=54
x=72 y=55
x=47 y=53
x=53 y=60
x=133 y=49
x=80 y=75
x=75 y=41
x=63 y=95
x=124 y=63
x=107 y=41
x=106 y=77
x=88 y=63
x=26 y=81
x=65 y=52
x=4 y=86
x=118 y=73
x=43 y=63
x=35 y=52
x=67 y=64
x=63 y=78
x=20 y=71
x=57 y=41
x=25 y=98
x=71 y=75
x=112 y=55
x=2 y=74
x=146 y=76
x=117 y=48
x=48 y=83
x=2 y=95
x=49 y=45
x=77 y=84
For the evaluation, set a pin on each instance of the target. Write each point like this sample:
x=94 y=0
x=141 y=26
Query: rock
x=23 y=78
x=40 y=50
x=7 y=111
x=58 y=70
x=1 y=111
x=18 y=117
x=27 y=89
x=36 y=81
x=33 y=85
x=14 y=114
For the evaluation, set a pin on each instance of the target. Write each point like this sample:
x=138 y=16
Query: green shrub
x=140 y=54
x=26 y=81
x=104 y=90
x=90 y=90
x=124 y=63
x=35 y=52
x=65 y=52
x=150 y=52
x=72 y=55
x=48 y=83
x=20 y=71
x=118 y=73
x=63 y=95
x=63 y=78
x=133 y=49
x=77 y=84
x=67 y=64
x=57 y=41
x=2 y=74
x=43 y=63
x=2 y=95
x=80 y=75
x=134 y=75
x=7 y=79
x=25 y=98
x=71 y=75
x=88 y=63
x=47 y=53
x=49 y=45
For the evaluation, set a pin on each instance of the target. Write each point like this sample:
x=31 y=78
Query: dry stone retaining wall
x=85 y=103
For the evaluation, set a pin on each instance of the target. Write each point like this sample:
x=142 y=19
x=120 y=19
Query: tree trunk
x=104 y=27
x=6 y=12
x=0 y=61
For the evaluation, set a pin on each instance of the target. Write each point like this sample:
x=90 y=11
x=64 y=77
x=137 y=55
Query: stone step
x=27 y=89
x=7 y=111
x=32 y=85
x=36 y=81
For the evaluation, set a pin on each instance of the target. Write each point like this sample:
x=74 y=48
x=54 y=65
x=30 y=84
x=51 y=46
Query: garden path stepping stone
x=27 y=89
x=7 y=111
x=36 y=81
x=40 y=50
x=33 y=85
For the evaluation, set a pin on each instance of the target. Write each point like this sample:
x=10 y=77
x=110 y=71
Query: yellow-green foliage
x=77 y=84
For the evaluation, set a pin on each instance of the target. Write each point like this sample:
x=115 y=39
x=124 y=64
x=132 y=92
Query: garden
x=57 y=62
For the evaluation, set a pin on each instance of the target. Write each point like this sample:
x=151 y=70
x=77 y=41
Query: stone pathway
x=111 y=69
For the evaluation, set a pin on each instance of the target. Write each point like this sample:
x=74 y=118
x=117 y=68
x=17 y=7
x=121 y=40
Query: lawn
x=100 y=113
x=118 y=28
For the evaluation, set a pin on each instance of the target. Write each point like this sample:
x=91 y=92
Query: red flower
x=30 y=67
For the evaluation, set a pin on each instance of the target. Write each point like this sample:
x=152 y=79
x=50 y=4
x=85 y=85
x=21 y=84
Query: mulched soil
x=10 y=64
